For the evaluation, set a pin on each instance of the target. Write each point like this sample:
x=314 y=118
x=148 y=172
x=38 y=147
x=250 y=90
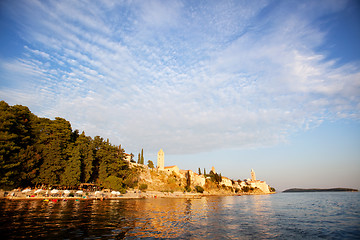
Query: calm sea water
x=278 y=216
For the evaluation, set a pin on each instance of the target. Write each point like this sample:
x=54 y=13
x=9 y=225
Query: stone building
x=257 y=183
x=199 y=180
x=160 y=160
x=253 y=176
x=172 y=169
x=127 y=157
x=226 y=181
x=196 y=179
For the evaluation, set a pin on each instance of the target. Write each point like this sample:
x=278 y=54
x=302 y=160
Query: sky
x=268 y=85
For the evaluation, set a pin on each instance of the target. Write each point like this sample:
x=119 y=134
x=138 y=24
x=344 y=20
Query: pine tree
x=199 y=171
x=71 y=175
x=37 y=150
x=16 y=135
x=86 y=149
x=142 y=156
x=188 y=179
x=53 y=163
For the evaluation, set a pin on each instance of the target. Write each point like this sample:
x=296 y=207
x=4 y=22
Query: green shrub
x=171 y=180
x=123 y=191
x=114 y=183
x=199 y=189
x=167 y=190
x=143 y=186
x=188 y=189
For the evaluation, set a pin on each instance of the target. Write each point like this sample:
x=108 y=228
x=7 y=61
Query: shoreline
x=128 y=196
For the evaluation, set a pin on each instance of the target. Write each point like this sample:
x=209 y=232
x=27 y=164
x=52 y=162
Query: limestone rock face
x=145 y=175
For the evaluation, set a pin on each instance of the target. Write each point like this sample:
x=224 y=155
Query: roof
x=171 y=166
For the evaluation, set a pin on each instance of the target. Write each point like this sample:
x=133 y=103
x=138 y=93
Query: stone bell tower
x=253 y=177
x=160 y=160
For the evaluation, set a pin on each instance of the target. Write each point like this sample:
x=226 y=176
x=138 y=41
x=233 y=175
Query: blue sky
x=269 y=85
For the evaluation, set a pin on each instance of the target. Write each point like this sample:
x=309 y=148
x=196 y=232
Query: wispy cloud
x=187 y=77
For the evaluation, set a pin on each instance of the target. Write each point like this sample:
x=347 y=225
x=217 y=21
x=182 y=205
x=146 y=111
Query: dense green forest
x=36 y=151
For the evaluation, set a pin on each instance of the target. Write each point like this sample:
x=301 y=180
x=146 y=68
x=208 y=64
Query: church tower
x=160 y=160
x=253 y=177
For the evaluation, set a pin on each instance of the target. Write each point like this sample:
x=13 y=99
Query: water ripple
x=280 y=216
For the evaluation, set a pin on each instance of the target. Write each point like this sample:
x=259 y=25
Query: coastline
x=128 y=196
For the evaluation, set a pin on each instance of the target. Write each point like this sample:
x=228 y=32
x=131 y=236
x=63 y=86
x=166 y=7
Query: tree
x=143 y=186
x=53 y=164
x=30 y=164
x=54 y=138
x=199 y=189
x=37 y=150
x=107 y=156
x=97 y=144
x=132 y=158
x=139 y=159
x=114 y=183
x=72 y=172
x=150 y=164
x=86 y=150
x=188 y=181
x=142 y=156
x=16 y=135
x=204 y=172
x=199 y=171
x=215 y=177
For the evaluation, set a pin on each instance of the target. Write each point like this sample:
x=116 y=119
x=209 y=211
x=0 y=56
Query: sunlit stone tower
x=253 y=177
x=160 y=160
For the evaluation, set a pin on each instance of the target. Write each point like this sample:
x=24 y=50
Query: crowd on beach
x=63 y=193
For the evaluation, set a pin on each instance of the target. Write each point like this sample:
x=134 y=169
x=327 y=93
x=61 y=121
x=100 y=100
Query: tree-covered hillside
x=37 y=151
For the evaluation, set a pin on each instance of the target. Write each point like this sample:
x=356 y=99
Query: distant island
x=320 y=190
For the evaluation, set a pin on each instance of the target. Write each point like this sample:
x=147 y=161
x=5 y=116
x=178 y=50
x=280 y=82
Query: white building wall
x=226 y=181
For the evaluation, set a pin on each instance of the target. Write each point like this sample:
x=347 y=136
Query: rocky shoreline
x=98 y=195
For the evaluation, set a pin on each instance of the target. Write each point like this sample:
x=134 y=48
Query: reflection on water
x=245 y=217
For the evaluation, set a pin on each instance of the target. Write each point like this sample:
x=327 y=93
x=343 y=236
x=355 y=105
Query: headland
x=320 y=190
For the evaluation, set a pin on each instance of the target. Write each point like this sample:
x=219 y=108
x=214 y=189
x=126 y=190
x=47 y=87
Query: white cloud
x=182 y=76
x=160 y=13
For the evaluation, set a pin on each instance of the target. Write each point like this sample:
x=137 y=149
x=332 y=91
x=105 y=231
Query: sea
x=325 y=215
